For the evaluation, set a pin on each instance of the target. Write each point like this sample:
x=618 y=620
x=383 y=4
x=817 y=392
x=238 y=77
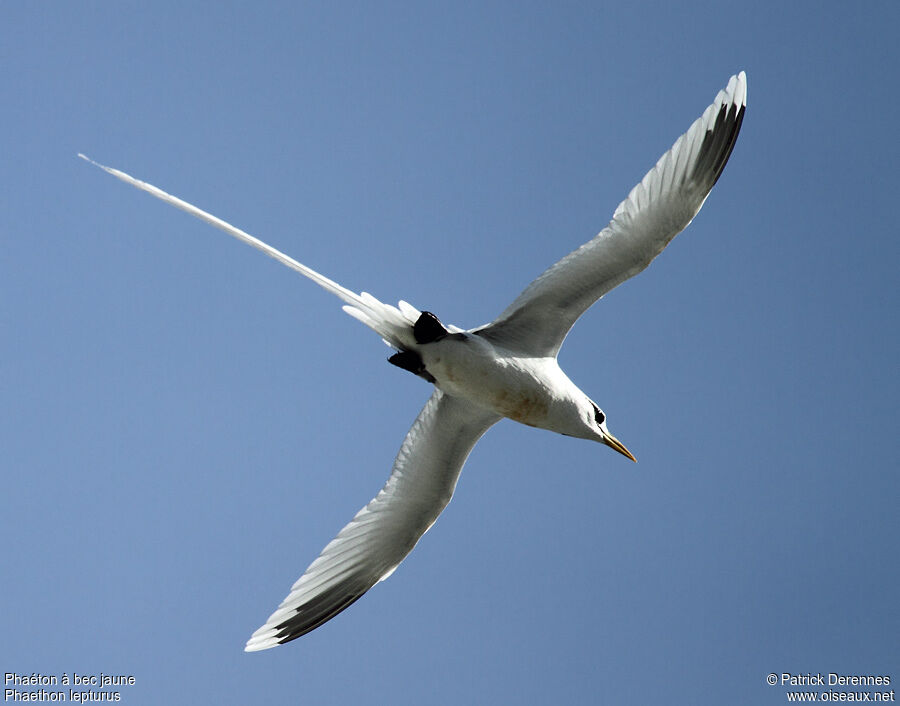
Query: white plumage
x=507 y=368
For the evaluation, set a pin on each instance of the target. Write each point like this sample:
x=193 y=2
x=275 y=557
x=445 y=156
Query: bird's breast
x=472 y=368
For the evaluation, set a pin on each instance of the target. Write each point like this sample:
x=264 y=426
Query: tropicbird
x=507 y=368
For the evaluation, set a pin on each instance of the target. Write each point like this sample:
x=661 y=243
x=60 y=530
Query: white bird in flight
x=506 y=368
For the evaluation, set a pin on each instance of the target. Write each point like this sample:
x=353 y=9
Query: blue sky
x=186 y=423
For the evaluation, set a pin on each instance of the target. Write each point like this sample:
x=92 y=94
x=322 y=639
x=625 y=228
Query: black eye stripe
x=599 y=417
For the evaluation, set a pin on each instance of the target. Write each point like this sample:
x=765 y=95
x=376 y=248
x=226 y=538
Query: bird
x=507 y=368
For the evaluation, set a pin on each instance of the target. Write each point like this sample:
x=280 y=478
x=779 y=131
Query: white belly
x=518 y=388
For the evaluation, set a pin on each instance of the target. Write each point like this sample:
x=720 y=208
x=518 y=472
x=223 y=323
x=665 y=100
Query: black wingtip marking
x=719 y=141
x=319 y=610
x=429 y=328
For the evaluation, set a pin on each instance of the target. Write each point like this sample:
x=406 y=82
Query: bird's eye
x=599 y=417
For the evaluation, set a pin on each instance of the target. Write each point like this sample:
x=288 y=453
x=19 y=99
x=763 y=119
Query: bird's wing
x=392 y=323
x=378 y=538
x=656 y=210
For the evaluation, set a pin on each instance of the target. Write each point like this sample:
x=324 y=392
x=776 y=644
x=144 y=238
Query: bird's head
x=596 y=420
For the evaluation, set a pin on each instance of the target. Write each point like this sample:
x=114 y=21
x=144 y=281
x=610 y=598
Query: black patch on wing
x=428 y=328
x=321 y=609
x=719 y=142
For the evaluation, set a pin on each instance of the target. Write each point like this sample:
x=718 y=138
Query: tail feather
x=394 y=325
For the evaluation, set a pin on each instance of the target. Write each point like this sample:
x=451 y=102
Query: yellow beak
x=614 y=443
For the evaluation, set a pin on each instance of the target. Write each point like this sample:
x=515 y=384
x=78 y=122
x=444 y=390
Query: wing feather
x=380 y=536
x=656 y=210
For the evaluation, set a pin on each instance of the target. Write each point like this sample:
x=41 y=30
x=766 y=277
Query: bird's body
x=533 y=391
x=507 y=368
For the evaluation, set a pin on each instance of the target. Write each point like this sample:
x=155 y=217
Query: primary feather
x=656 y=210
x=507 y=367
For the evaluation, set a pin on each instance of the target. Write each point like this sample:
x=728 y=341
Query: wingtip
x=258 y=646
x=263 y=639
x=740 y=92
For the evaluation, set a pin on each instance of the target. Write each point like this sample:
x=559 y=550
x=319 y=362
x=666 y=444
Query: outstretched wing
x=380 y=536
x=656 y=210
